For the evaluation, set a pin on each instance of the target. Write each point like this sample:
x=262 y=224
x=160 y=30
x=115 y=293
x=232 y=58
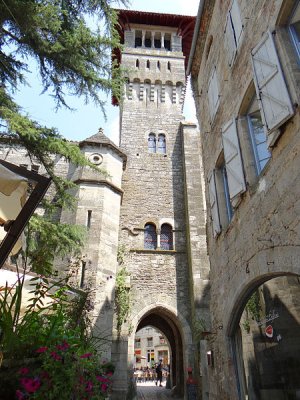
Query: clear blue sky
x=87 y=119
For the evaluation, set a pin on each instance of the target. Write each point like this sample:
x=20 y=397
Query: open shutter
x=236 y=21
x=214 y=204
x=229 y=41
x=272 y=93
x=233 y=159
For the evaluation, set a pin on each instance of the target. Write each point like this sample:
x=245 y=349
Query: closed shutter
x=229 y=41
x=272 y=93
x=214 y=204
x=213 y=94
x=236 y=21
x=233 y=159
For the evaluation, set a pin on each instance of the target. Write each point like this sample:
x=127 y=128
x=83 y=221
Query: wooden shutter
x=213 y=94
x=233 y=159
x=229 y=41
x=236 y=21
x=274 y=100
x=214 y=204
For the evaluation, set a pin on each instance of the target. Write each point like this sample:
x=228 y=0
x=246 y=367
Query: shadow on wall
x=270 y=349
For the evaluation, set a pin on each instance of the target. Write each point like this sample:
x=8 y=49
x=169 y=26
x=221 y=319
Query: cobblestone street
x=149 y=391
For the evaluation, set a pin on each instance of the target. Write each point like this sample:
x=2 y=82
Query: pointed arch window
x=166 y=237
x=150 y=237
x=152 y=143
x=161 y=144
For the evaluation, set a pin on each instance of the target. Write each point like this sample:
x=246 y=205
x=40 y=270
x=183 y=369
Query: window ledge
x=159 y=251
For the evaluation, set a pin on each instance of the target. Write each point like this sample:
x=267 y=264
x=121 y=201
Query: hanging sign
x=269 y=331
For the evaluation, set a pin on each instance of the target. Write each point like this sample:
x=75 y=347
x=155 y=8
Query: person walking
x=158 y=371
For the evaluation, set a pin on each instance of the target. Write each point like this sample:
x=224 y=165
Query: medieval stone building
x=149 y=206
x=245 y=73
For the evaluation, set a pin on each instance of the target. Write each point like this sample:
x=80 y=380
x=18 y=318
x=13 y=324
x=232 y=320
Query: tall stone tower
x=154 y=221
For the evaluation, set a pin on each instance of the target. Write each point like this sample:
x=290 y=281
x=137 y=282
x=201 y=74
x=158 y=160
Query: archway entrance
x=266 y=341
x=161 y=321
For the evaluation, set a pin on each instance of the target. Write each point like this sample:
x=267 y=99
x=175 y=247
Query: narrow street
x=149 y=391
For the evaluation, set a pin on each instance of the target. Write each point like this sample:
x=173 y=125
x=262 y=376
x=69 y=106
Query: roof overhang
x=203 y=19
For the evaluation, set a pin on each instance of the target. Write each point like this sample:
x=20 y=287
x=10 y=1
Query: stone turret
x=99 y=197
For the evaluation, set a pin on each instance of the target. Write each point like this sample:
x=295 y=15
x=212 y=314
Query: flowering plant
x=66 y=372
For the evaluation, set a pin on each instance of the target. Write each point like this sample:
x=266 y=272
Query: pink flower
x=89 y=386
x=64 y=346
x=101 y=379
x=20 y=395
x=23 y=371
x=86 y=355
x=30 y=385
x=104 y=387
x=55 y=356
x=41 y=349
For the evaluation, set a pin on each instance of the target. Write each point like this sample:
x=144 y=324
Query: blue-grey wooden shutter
x=233 y=159
x=214 y=210
x=273 y=96
x=229 y=41
x=236 y=21
x=213 y=94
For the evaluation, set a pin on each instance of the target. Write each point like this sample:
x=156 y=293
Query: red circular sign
x=269 y=331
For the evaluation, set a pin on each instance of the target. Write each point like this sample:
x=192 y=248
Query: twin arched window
x=158 y=146
x=166 y=237
x=150 y=237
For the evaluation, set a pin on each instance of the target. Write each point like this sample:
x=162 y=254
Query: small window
x=158 y=65
x=169 y=66
x=157 y=40
x=167 y=42
x=166 y=237
x=294 y=27
x=152 y=143
x=161 y=144
x=137 y=64
x=258 y=137
x=148 y=64
x=82 y=277
x=89 y=219
x=138 y=38
x=149 y=342
x=150 y=237
x=148 y=39
x=137 y=343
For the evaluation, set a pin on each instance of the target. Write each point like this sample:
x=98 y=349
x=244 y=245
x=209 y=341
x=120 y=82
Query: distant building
x=150 y=346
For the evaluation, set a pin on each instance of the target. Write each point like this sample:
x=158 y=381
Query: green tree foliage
x=72 y=59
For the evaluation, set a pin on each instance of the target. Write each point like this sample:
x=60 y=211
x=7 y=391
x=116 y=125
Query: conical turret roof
x=102 y=140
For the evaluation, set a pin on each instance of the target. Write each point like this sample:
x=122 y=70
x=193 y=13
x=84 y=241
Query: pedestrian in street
x=158 y=371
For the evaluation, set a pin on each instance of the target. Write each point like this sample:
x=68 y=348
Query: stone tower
x=154 y=221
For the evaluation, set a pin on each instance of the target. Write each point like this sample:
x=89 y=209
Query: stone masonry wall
x=262 y=239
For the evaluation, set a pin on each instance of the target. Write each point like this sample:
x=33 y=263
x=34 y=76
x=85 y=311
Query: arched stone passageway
x=178 y=335
x=265 y=339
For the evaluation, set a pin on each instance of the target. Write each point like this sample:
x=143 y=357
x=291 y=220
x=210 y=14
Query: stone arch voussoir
x=265 y=265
